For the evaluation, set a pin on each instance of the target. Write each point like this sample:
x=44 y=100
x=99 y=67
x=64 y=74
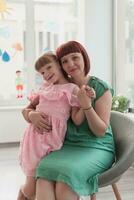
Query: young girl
x=57 y=98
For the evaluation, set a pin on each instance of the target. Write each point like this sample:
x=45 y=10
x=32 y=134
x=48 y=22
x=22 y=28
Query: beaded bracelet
x=87 y=108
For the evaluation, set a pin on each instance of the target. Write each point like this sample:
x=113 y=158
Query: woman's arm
x=77 y=114
x=98 y=117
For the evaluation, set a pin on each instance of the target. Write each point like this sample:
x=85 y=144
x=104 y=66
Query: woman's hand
x=40 y=121
x=85 y=96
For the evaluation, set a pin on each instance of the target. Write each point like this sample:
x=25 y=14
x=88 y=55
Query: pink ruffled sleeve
x=72 y=98
x=74 y=101
x=32 y=96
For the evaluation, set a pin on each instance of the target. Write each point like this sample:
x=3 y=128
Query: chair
x=123 y=130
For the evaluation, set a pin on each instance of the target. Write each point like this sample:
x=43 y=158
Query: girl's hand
x=40 y=121
x=90 y=91
x=85 y=96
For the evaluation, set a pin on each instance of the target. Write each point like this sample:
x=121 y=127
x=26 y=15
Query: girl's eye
x=49 y=67
x=42 y=73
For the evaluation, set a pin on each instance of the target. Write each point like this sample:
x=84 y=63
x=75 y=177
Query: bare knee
x=64 y=192
x=45 y=189
x=40 y=183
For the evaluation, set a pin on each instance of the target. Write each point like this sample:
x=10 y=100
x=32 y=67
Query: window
x=129 y=45
x=26 y=31
x=12 y=76
x=125 y=49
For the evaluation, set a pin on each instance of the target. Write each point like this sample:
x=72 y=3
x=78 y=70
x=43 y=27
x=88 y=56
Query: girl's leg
x=64 y=192
x=28 y=190
x=45 y=190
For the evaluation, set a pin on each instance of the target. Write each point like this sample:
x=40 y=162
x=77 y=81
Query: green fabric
x=83 y=155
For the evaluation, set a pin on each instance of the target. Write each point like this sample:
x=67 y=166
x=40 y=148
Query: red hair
x=73 y=47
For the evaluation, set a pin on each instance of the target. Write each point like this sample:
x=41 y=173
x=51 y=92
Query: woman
x=88 y=149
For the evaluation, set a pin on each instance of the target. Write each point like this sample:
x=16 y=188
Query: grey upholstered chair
x=123 y=130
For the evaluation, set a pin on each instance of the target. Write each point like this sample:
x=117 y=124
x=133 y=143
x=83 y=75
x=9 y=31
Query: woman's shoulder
x=97 y=81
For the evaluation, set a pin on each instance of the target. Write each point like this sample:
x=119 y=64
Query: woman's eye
x=64 y=61
x=75 y=57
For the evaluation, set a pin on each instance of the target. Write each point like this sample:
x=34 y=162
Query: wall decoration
x=19 y=84
x=5 y=57
x=0 y=52
x=17 y=47
x=4 y=9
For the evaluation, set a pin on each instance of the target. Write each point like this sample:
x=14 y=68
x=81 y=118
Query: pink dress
x=56 y=102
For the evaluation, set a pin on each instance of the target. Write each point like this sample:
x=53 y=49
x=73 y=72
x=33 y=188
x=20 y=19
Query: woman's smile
x=72 y=70
x=73 y=63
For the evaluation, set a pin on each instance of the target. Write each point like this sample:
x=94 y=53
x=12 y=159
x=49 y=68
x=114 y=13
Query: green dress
x=83 y=155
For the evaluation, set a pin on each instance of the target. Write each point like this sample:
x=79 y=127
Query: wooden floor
x=12 y=177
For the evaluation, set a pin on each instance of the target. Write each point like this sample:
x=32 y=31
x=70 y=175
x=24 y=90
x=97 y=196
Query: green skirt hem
x=41 y=173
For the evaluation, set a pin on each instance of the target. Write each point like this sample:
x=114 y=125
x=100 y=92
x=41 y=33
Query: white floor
x=12 y=177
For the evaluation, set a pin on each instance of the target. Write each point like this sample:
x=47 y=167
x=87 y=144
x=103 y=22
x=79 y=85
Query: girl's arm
x=77 y=115
x=29 y=108
x=38 y=119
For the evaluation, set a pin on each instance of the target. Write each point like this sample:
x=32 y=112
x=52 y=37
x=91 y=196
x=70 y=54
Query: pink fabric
x=56 y=102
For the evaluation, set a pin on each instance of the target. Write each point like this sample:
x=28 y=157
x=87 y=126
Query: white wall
x=12 y=125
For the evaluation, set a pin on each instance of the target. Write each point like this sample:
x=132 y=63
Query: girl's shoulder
x=69 y=86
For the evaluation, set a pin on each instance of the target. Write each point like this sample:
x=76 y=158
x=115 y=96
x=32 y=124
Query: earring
x=69 y=76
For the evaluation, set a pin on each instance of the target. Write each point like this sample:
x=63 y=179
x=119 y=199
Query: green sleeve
x=100 y=87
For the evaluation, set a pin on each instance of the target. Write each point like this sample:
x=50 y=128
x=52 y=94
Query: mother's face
x=73 y=64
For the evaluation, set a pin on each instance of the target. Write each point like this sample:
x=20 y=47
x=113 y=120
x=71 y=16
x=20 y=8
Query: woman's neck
x=83 y=80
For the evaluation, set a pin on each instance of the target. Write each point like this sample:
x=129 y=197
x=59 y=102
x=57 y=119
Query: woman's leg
x=45 y=190
x=64 y=192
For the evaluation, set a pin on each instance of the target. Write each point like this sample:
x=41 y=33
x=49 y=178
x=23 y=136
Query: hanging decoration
x=17 y=47
x=5 y=56
x=4 y=9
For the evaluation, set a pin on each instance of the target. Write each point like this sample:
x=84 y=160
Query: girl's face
x=73 y=64
x=51 y=72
